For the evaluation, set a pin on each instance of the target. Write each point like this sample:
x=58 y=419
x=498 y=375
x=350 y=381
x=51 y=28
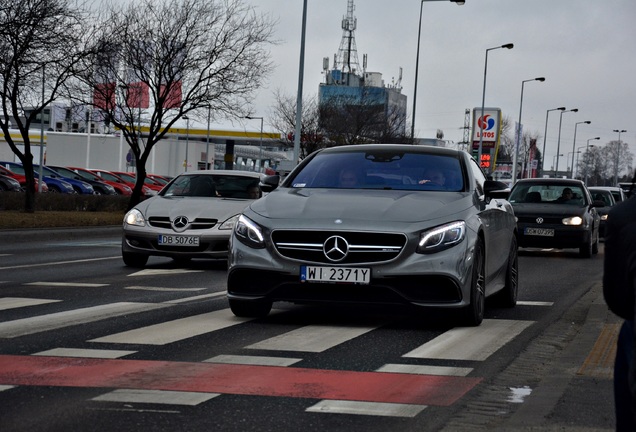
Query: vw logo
x=180 y=223
x=335 y=248
x=539 y=220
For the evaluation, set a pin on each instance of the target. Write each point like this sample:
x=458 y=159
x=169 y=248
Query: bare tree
x=283 y=119
x=161 y=60
x=41 y=41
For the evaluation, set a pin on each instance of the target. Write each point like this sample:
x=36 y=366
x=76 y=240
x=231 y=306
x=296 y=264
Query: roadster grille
x=363 y=247
x=197 y=224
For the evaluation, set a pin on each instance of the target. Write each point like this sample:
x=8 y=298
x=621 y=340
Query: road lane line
x=253 y=360
x=471 y=343
x=18 y=302
x=67 y=284
x=46 y=264
x=41 y=323
x=176 y=330
x=150 y=288
x=366 y=408
x=84 y=353
x=312 y=338
x=426 y=370
x=156 y=397
x=195 y=298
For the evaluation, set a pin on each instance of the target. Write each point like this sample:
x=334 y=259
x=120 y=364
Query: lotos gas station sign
x=487 y=128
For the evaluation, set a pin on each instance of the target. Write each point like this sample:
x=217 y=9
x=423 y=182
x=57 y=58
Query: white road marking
x=6 y=387
x=425 y=370
x=18 y=302
x=162 y=272
x=253 y=360
x=156 y=396
x=366 y=408
x=176 y=330
x=84 y=353
x=534 y=303
x=27 y=326
x=149 y=288
x=195 y=298
x=471 y=343
x=312 y=338
x=48 y=264
x=67 y=284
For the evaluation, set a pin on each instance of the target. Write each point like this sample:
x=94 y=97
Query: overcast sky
x=586 y=50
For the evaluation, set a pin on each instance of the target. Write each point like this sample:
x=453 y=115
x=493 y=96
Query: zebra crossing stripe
x=395 y=388
x=366 y=408
x=156 y=397
x=18 y=302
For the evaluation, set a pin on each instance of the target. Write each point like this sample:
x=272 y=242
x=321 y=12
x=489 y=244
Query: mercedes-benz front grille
x=355 y=247
x=197 y=224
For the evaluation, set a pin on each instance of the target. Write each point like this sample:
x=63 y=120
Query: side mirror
x=269 y=182
x=496 y=189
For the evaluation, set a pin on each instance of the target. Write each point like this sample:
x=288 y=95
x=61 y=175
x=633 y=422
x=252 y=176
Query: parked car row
x=61 y=179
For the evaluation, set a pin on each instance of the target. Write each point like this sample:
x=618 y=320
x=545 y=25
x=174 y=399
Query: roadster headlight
x=249 y=232
x=229 y=224
x=134 y=217
x=441 y=237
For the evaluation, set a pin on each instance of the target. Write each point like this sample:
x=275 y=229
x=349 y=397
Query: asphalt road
x=89 y=344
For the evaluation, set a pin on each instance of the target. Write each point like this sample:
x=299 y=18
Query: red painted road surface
x=234 y=379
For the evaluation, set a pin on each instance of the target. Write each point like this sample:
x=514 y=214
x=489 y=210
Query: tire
x=473 y=314
x=586 y=250
x=507 y=297
x=250 y=309
x=134 y=260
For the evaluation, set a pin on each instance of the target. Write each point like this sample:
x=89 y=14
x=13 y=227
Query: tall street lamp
x=554 y=171
x=559 y=140
x=299 y=95
x=545 y=134
x=587 y=157
x=417 y=61
x=516 y=152
x=483 y=101
x=578 y=152
x=618 y=152
x=260 y=145
x=187 y=119
x=574 y=143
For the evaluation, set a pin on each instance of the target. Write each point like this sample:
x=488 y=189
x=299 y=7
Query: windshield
x=381 y=170
x=210 y=185
x=548 y=193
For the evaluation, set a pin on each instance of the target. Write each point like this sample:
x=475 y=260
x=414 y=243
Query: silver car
x=192 y=217
x=377 y=224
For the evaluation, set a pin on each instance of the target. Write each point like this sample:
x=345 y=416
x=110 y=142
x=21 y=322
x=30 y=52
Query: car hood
x=538 y=209
x=361 y=205
x=192 y=207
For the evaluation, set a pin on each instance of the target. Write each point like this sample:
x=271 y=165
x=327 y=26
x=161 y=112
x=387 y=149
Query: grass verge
x=12 y=219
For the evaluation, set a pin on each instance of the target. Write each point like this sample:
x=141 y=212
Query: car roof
x=251 y=174
x=396 y=147
x=554 y=181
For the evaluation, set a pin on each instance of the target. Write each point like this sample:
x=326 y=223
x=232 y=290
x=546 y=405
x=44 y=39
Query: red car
x=22 y=179
x=120 y=186
x=109 y=176
x=148 y=182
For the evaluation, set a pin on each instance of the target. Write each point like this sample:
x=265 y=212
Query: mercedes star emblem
x=335 y=248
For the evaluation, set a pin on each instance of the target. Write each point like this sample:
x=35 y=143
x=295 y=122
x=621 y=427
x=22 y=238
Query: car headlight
x=229 y=224
x=604 y=217
x=110 y=189
x=249 y=233
x=574 y=220
x=134 y=217
x=441 y=237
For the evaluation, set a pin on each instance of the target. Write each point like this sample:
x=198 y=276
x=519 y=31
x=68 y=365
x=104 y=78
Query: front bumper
x=213 y=244
x=565 y=237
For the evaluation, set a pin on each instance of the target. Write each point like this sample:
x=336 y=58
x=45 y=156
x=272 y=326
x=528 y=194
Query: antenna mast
x=348 y=53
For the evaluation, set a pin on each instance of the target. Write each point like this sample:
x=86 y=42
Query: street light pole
x=574 y=143
x=483 y=101
x=519 y=134
x=559 y=140
x=417 y=61
x=618 y=152
x=260 y=146
x=578 y=152
x=545 y=134
x=556 y=156
x=587 y=157
x=299 y=95
x=187 y=119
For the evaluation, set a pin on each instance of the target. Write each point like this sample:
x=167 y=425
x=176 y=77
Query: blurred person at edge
x=619 y=290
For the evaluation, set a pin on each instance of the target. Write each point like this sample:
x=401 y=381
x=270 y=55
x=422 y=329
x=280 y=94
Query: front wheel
x=586 y=250
x=508 y=295
x=250 y=309
x=473 y=314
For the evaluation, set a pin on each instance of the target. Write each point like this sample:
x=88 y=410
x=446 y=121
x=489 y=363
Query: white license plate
x=545 y=232
x=178 y=240
x=335 y=274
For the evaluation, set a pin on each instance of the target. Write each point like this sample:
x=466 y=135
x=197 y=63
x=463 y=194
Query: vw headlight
x=574 y=220
x=134 y=217
x=441 y=237
x=249 y=233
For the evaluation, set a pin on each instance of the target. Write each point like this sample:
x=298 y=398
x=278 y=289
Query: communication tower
x=347 y=59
